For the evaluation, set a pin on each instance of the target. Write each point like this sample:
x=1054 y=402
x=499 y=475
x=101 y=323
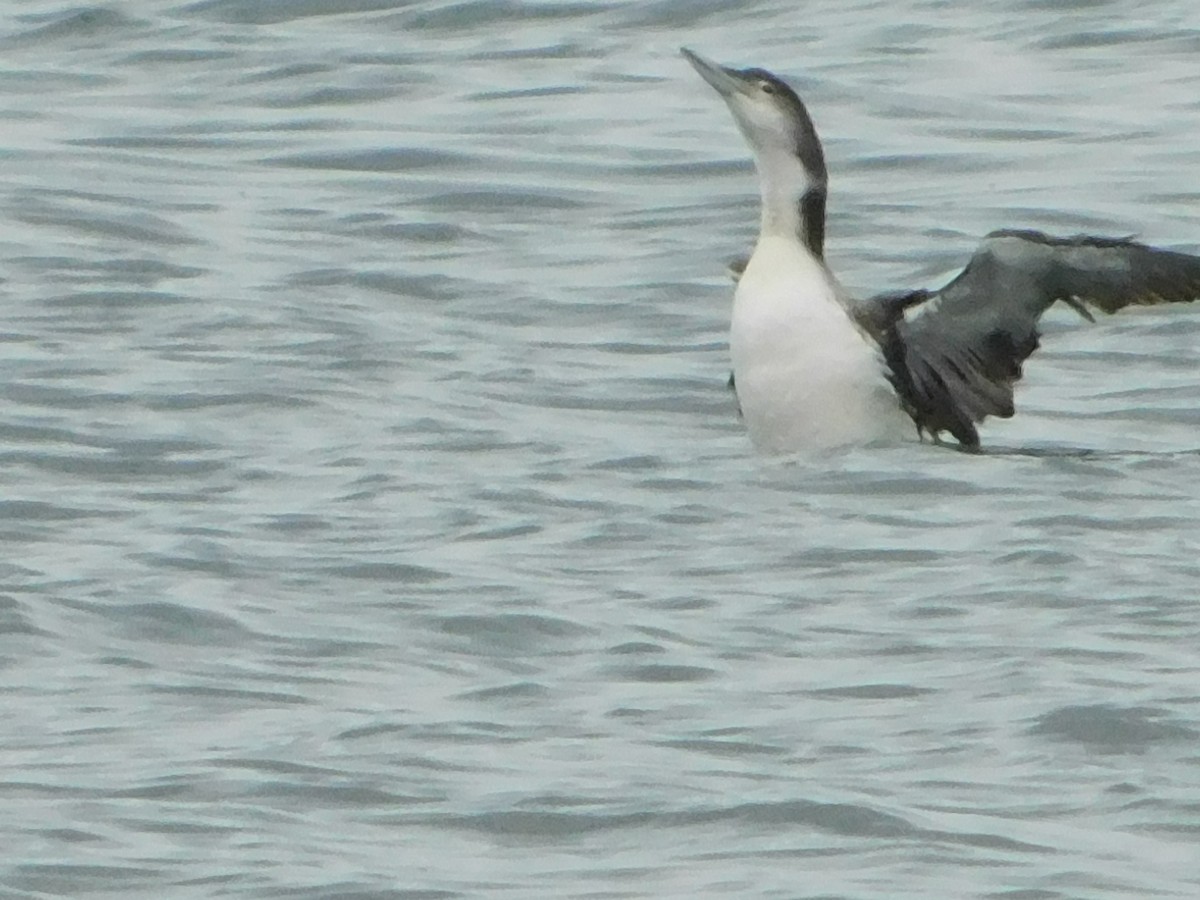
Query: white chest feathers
x=807 y=377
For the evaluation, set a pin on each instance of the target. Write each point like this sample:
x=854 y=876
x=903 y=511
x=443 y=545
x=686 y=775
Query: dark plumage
x=952 y=355
x=955 y=354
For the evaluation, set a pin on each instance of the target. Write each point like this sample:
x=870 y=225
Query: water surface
x=378 y=524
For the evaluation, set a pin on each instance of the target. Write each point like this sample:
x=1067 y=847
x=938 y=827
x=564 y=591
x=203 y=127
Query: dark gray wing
x=956 y=353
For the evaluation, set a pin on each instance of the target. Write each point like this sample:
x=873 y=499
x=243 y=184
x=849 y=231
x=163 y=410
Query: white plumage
x=816 y=371
x=807 y=376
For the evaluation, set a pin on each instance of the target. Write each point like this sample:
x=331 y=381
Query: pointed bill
x=725 y=81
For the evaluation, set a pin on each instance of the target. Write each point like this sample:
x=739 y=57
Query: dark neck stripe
x=812 y=221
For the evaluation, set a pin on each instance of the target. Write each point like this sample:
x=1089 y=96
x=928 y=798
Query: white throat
x=783 y=181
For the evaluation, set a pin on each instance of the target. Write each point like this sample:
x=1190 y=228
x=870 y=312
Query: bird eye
x=767 y=87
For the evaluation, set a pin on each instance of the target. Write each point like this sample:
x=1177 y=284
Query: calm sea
x=376 y=522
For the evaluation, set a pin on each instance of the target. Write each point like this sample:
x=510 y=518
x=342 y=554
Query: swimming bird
x=814 y=368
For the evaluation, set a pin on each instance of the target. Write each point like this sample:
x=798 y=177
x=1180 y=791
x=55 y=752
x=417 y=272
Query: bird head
x=771 y=117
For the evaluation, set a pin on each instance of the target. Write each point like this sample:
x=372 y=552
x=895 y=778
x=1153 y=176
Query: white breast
x=807 y=377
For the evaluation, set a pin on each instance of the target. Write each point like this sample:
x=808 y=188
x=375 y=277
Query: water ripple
x=380 y=524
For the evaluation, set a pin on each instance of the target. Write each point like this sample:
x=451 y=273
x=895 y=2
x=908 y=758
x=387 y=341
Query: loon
x=815 y=369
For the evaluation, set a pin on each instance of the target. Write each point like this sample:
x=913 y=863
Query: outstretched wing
x=955 y=353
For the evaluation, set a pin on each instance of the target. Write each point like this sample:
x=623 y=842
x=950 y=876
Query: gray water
x=377 y=524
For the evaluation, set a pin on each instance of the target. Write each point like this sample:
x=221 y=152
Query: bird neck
x=793 y=203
